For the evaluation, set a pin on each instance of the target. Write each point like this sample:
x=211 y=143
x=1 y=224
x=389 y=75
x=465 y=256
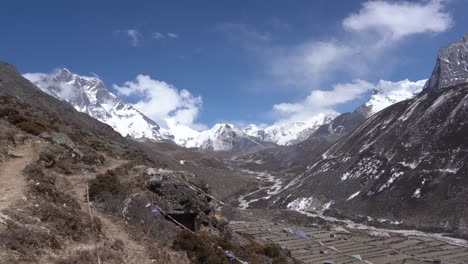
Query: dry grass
x=32 y=127
x=8 y=111
x=88 y=256
x=49 y=187
x=68 y=223
x=26 y=240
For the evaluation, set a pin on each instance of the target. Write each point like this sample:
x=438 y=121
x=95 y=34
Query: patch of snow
x=300 y=204
x=352 y=196
x=392 y=179
x=411 y=165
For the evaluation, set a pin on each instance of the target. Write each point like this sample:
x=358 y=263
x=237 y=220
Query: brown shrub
x=89 y=257
x=32 y=127
x=204 y=248
x=24 y=239
x=48 y=187
x=67 y=222
x=105 y=183
x=4 y=112
x=16 y=119
x=160 y=254
x=200 y=247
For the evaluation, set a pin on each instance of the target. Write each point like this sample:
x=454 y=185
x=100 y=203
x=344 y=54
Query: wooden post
x=92 y=225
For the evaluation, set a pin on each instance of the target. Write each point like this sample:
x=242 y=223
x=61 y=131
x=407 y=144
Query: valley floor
x=340 y=243
x=332 y=240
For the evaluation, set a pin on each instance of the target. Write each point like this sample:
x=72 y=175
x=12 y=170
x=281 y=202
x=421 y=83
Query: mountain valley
x=87 y=177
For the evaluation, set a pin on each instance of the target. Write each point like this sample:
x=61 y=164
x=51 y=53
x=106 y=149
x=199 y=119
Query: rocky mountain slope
x=75 y=191
x=406 y=164
x=295 y=158
x=384 y=94
x=451 y=67
x=89 y=95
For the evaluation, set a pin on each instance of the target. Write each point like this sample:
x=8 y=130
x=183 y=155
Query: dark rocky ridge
x=451 y=67
x=408 y=162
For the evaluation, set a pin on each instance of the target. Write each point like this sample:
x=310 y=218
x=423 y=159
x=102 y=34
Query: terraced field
x=325 y=246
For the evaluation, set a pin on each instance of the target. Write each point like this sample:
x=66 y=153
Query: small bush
x=105 y=183
x=22 y=239
x=272 y=251
x=16 y=119
x=89 y=257
x=67 y=222
x=4 y=112
x=32 y=127
x=47 y=187
x=159 y=254
x=200 y=247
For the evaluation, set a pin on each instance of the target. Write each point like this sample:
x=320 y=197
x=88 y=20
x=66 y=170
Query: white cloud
x=371 y=33
x=321 y=101
x=308 y=63
x=248 y=37
x=158 y=35
x=133 y=34
x=172 y=35
x=400 y=19
x=62 y=90
x=161 y=101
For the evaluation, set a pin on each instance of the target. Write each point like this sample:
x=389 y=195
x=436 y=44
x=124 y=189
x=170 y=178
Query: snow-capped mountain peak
x=288 y=133
x=89 y=95
x=221 y=137
x=387 y=93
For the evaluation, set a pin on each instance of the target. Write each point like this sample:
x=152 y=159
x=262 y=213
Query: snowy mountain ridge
x=387 y=93
x=290 y=132
x=221 y=137
x=89 y=95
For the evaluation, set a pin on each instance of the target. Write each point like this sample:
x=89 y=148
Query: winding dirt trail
x=112 y=227
x=12 y=182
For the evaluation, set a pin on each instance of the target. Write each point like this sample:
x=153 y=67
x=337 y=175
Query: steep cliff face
x=451 y=67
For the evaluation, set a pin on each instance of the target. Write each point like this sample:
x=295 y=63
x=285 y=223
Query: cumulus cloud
x=370 y=35
x=400 y=19
x=322 y=101
x=377 y=28
x=161 y=101
x=132 y=34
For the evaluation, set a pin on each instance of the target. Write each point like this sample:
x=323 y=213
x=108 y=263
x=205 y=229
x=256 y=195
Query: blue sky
x=236 y=61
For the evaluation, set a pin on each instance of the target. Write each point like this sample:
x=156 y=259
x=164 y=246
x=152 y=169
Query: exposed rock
x=62 y=140
x=451 y=67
